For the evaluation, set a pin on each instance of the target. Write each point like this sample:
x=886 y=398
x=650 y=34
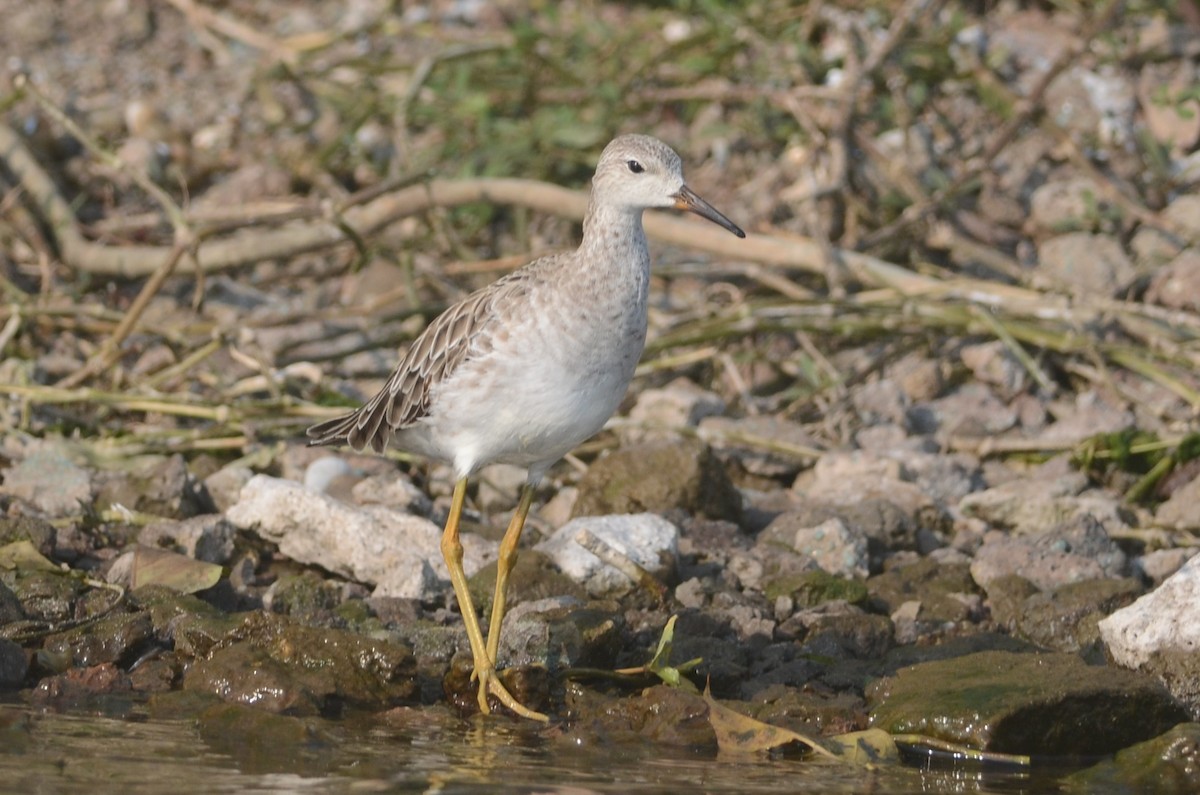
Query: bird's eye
x=634 y=166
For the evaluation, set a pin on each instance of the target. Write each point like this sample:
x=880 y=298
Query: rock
x=10 y=606
x=1170 y=109
x=500 y=486
x=561 y=633
x=274 y=664
x=1085 y=264
x=159 y=485
x=1168 y=764
x=226 y=484
x=993 y=363
x=1047 y=498
x=646 y=539
x=116 y=638
x=1094 y=103
x=1066 y=619
x=664 y=716
x=658 y=477
x=1087 y=415
x=839 y=631
x=749 y=441
x=397 y=553
x=534 y=577
x=321 y=473
x=393 y=489
x=208 y=538
x=1160 y=564
x=880 y=401
x=1067 y=205
x=831 y=544
x=659 y=413
x=1045 y=704
x=44 y=596
x=970 y=410
x=50 y=481
x=306 y=597
x=14 y=664
x=1160 y=634
x=1076 y=550
x=816 y=588
x=1176 y=285
x=945 y=594
x=36 y=531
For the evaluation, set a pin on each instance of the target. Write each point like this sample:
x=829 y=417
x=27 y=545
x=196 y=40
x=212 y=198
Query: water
x=420 y=751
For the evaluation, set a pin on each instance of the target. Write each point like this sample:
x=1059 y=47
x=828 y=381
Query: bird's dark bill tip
x=687 y=199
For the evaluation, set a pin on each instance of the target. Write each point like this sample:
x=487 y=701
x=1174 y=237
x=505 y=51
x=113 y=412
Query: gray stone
x=50 y=481
x=645 y=539
x=398 y=553
x=208 y=538
x=1166 y=618
x=1085 y=264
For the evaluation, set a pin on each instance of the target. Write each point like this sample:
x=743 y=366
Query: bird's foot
x=489 y=683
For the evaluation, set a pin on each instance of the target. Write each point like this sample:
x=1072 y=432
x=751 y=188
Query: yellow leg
x=504 y=565
x=452 y=551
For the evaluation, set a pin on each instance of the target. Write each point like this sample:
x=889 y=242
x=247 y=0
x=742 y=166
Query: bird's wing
x=444 y=345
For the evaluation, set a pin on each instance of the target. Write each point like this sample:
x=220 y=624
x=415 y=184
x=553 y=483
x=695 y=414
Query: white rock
x=644 y=538
x=398 y=553
x=1166 y=619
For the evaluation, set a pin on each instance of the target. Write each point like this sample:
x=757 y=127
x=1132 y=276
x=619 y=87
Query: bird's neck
x=613 y=228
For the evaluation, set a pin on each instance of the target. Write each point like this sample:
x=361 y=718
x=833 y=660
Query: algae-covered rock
x=1168 y=765
x=815 y=587
x=656 y=477
x=116 y=638
x=275 y=664
x=1043 y=704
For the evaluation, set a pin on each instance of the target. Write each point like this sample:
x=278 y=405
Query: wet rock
x=647 y=540
x=1045 y=704
x=277 y=665
x=735 y=439
x=833 y=546
x=943 y=595
x=208 y=538
x=658 y=477
x=808 y=712
x=1066 y=619
x=50 y=481
x=36 y=531
x=307 y=597
x=257 y=740
x=398 y=553
x=161 y=486
x=1159 y=634
x=10 y=606
x=189 y=625
x=44 y=596
x=661 y=715
x=14 y=664
x=659 y=413
x=117 y=638
x=84 y=687
x=1086 y=264
x=1168 y=764
x=1073 y=551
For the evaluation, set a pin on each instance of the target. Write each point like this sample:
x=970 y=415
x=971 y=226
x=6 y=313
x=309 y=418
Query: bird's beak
x=686 y=199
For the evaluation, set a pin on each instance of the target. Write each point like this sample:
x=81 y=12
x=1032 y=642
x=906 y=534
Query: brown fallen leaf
x=24 y=555
x=741 y=734
x=178 y=572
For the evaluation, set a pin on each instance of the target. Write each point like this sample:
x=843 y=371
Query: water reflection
x=425 y=750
